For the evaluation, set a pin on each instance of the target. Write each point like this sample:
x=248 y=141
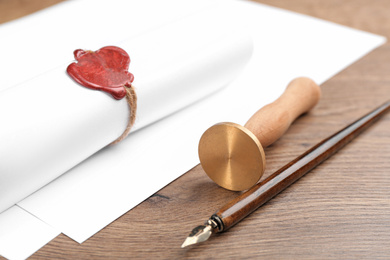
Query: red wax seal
x=105 y=69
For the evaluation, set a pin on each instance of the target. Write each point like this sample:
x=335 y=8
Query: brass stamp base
x=231 y=156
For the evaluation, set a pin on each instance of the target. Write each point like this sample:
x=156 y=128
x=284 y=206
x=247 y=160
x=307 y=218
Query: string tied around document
x=107 y=70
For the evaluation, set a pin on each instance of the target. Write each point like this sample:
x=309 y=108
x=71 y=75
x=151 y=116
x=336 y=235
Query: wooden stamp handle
x=270 y=122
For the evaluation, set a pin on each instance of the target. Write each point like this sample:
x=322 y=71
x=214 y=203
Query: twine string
x=131 y=98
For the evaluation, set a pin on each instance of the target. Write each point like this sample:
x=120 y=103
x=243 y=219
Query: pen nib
x=198 y=234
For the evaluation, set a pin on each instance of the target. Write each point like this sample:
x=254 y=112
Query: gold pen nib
x=198 y=234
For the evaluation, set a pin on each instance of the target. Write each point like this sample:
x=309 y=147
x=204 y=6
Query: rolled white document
x=50 y=123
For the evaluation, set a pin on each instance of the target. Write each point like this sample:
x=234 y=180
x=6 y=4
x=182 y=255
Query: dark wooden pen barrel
x=265 y=190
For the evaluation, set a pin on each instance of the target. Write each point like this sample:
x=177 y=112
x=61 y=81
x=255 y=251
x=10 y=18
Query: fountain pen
x=249 y=201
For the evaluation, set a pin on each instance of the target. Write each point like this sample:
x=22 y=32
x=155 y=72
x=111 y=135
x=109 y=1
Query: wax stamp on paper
x=105 y=69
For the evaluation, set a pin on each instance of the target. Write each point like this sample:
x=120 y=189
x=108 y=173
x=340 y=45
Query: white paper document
x=53 y=123
x=98 y=190
x=21 y=234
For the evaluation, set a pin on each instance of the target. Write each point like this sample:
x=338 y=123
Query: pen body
x=246 y=203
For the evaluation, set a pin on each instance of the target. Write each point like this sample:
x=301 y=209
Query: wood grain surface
x=340 y=210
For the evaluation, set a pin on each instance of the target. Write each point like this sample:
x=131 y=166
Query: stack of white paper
x=53 y=123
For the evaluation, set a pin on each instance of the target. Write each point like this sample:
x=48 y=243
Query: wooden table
x=339 y=210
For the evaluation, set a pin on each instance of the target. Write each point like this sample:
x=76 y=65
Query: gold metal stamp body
x=232 y=156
